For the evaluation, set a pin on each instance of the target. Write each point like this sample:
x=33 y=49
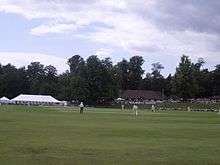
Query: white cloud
x=103 y=53
x=53 y=28
x=122 y=23
x=20 y=59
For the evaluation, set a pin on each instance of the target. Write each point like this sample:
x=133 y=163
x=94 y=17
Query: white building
x=36 y=100
x=4 y=100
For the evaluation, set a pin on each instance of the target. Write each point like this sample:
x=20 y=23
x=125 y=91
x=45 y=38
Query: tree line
x=95 y=80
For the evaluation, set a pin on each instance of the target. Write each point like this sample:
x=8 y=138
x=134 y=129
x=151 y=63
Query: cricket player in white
x=122 y=107
x=81 y=106
x=153 y=108
x=188 y=109
x=135 y=109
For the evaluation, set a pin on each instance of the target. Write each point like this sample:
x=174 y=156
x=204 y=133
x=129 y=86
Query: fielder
x=135 y=109
x=81 y=106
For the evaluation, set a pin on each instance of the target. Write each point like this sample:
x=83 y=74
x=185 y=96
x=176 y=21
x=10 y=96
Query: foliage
x=95 y=79
x=135 y=72
x=184 y=84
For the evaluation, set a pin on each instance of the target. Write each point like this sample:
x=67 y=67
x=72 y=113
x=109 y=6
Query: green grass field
x=47 y=136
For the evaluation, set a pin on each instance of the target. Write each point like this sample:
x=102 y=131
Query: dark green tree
x=147 y=82
x=36 y=74
x=63 y=86
x=216 y=81
x=49 y=81
x=77 y=65
x=157 y=80
x=202 y=79
x=121 y=74
x=13 y=81
x=168 y=86
x=77 y=81
x=97 y=78
x=135 y=72
x=184 y=84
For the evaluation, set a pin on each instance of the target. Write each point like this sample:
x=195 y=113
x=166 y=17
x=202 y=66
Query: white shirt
x=135 y=107
x=81 y=105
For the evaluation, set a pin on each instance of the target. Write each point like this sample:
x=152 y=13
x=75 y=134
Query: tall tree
x=147 y=82
x=94 y=78
x=184 y=84
x=135 y=72
x=111 y=90
x=36 y=74
x=78 y=84
x=97 y=78
x=76 y=64
x=49 y=81
x=158 y=81
x=50 y=72
x=13 y=81
x=202 y=79
x=155 y=80
x=121 y=73
x=168 y=86
x=216 y=80
x=63 y=86
x=1 y=82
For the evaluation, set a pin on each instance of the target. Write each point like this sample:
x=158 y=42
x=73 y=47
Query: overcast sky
x=51 y=31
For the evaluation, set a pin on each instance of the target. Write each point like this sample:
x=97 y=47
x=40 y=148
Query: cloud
x=103 y=53
x=193 y=15
x=20 y=59
x=142 y=27
x=53 y=28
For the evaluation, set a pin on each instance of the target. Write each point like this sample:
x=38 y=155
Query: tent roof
x=4 y=99
x=36 y=98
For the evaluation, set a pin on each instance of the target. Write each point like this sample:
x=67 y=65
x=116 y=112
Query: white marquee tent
x=36 y=100
x=4 y=100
